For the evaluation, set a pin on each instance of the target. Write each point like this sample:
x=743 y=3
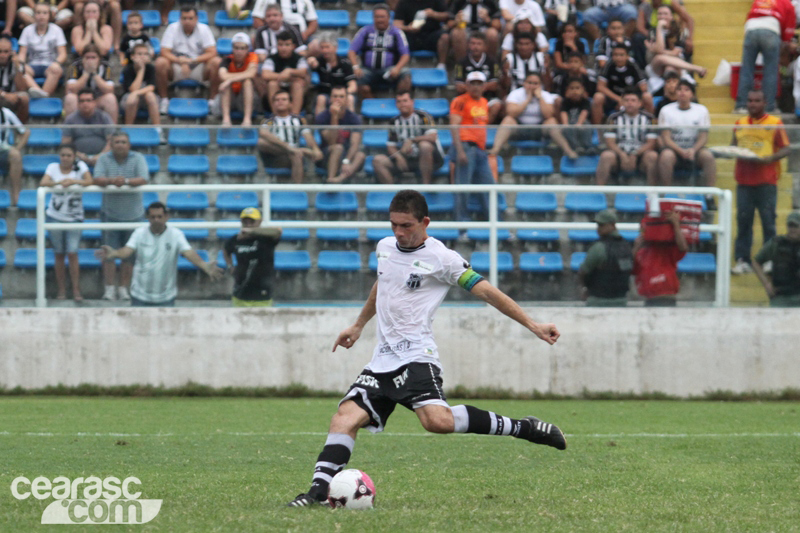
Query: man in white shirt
x=188 y=51
x=684 y=134
x=157 y=248
x=415 y=272
x=42 y=49
x=509 y=9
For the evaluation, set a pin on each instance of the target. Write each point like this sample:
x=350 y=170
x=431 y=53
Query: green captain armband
x=469 y=279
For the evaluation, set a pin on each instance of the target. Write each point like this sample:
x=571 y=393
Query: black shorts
x=424 y=41
x=412 y=386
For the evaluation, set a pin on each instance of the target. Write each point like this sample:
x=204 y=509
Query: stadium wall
x=681 y=352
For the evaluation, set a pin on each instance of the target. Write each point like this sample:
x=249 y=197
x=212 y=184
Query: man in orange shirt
x=757 y=178
x=471 y=109
x=238 y=74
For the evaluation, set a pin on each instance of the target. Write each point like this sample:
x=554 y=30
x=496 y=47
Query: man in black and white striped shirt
x=632 y=144
x=413 y=144
x=280 y=135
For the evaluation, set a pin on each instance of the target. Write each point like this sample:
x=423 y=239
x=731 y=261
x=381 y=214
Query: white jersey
x=192 y=45
x=529 y=7
x=685 y=124
x=156 y=268
x=411 y=286
x=66 y=206
x=42 y=49
x=533 y=112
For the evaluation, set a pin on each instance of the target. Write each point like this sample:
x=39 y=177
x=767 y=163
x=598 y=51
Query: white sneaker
x=110 y=293
x=122 y=294
x=741 y=267
x=441 y=66
x=213 y=107
x=740 y=111
x=163 y=107
x=767 y=267
x=35 y=92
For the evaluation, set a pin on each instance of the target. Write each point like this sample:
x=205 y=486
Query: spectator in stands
x=12 y=82
x=413 y=144
x=11 y=156
x=567 y=44
x=157 y=247
x=648 y=18
x=784 y=253
x=604 y=46
x=238 y=72
x=473 y=16
x=684 y=134
x=119 y=167
x=92 y=72
x=477 y=60
x=66 y=206
x=332 y=72
x=668 y=92
x=574 y=110
x=342 y=147
x=531 y=9
x=110 y=10
x=286 y=70
x=133 y=35
x=299 y=13
x=92 y=31
x=42 y=49
x=576 y=68
x=557 y=12
x=522 y=25
x=380 y=54
x=757 y=179
x=604 y=276
x=280 y=135
x=422 y=22
x=89 y=142
x=655 y=266
x=188 y=51
x=266 y=37
x=522 y=62
x=632 y=144
x=60 y=13
x=530 y=105
x=254 y=249
x=665 y=49
x=139 y=86
x=769 y=23
x=604 y=10
x=618 y=74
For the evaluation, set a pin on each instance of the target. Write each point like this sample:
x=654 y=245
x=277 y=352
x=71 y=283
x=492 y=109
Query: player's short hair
x=338 y=88
x=282 y=91
x=86 y=90
x=186 y=9
x=134 y=14
x=630 y=89
x=411 y=202
x=620 y=46
x=525 y=35
x=398 y=94
x=686 y=83
x=156 y=205
x=478 y=35
x=284 y=36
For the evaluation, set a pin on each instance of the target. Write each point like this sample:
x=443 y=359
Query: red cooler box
x=758 y=77
x=658 y=229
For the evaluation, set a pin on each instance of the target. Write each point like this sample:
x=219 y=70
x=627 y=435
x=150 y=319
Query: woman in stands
x=665 y=50
x=92 y=30
x=66 y=206
x=566 y=44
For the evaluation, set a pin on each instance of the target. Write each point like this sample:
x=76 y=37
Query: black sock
x=333 y=458
x=470 y=419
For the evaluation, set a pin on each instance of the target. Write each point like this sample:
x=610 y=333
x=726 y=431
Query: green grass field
x=224 y=464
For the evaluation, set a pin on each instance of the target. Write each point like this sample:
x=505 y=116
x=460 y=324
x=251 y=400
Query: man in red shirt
x=655 y=266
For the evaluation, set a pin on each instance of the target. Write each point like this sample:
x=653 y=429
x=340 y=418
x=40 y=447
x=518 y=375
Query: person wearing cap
x=783 y=288
x=604 y=275
x=155 y=271
x=254 y=249
x=237 y=75
x=655 y=265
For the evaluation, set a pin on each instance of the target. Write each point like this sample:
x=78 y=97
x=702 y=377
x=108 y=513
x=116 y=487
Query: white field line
x=391 y=434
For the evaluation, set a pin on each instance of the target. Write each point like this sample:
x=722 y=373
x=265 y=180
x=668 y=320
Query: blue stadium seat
x=3 y=228
x=45 y=108
x=155 y=42
x=186 y=265
x=175 y=16
x=151 y=18
x=377 y=234
x=490 y=134
x=2 y=265
x=294 y=234
x=482 y=235
x=292 y=261
x=343 y=47
x=585 y=202
x=332 y=18
x=188 y=164
x=538 y=235
x=336 y=202
x=474 y=204
x=379 y=108
x=5 y=199
x=189 y=137
x=364 y=18
x=14 y=42
x=440 y=202
x=45 y=138
x=187 y=201
x=585 y=164
x=582 y=235
x=697 y=263
x=428 y=78
x=153 y=163
x=529 y=144
x=87 y=259
x=143 y=137
x=237 y=137
x=188 y=108
x=436 y=107
x=443 y=234
x=423 y=54
x=338 y=235
x=278 y=171
x=221 y=20
x=339 y=261
x=288 y=202
x=696 y=197
x=92 y=201
x=480 y=262
x=536 y=202
x=91 y=234
x=373 y=262
x=148 y=198
x=35 y=165
x=315 y=78
x=187 y=83
x=532 y=165
x=445 y=139
x=378 y=201
x=224 y=46
x=541 y=262
x=626 y=202
x=584 y=43
x=235 y=201
x=25 y=258
x=27 y=200
x=225 y=234
x=238 y=165
x=576 y=260
x=376 y=139
x=192 y=234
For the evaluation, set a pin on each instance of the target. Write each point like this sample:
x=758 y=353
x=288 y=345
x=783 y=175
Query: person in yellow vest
x=757 y=178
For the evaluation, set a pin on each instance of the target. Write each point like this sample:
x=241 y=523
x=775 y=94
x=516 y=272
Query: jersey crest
x=414 y=281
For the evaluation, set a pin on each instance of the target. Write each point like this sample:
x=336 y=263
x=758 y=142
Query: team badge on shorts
x=414 y=281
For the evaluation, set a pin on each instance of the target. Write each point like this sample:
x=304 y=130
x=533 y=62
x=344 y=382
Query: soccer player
x=414 y=274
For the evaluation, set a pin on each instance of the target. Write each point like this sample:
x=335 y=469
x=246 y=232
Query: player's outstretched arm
x=503 y=303
x=349 y=336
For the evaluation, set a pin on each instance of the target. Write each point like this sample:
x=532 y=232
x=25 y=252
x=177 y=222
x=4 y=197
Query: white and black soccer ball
x=351 y=489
